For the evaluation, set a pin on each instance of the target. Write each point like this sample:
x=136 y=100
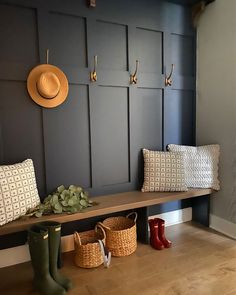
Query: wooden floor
x=200 y=262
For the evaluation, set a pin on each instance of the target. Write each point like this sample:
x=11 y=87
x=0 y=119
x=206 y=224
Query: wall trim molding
x=223 y=226
x=15 y=255
x=176 y=216
x=20 y=254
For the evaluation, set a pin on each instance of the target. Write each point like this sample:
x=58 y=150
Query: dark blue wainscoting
x=95 y=138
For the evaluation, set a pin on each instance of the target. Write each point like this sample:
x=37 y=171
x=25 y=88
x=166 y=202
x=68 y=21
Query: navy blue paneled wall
x=95 y=138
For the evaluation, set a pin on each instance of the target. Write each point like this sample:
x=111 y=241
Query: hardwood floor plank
x=201 y=262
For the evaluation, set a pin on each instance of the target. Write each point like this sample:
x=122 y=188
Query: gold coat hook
x=47 y=56
x=168 y=81
x=92 y=3
x=93 y=74
x=133 y=77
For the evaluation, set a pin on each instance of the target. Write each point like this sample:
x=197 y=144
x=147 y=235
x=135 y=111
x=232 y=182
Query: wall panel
x=67 y=141
x=111 y=46
x=18 y=35
x=146 y=127
x=182 y=54
x=110 y=131
x=21 y=128
x=149 y=117
x=149 y=50
x=179 y=117
x=67 y=40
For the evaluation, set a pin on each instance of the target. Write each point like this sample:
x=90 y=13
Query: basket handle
x=103 y=226
x=77 y=238
x=99 y=226
x=135 y=216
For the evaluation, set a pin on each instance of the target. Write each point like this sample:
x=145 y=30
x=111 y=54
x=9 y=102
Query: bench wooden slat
x=108 y=204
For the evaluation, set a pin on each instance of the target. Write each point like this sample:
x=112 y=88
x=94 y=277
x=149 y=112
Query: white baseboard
x=223 y=226
x=175 y=217
x=20 y=254
x=15 y=255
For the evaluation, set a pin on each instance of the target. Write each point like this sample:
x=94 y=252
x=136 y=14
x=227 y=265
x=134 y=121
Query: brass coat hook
x=168 y=81
x=47 y=56
x=93 y=74
x=133 y=77
x=92 y=3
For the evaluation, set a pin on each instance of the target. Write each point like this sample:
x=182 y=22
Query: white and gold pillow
x=201 y=164
x=18 y=190
x=163 y=171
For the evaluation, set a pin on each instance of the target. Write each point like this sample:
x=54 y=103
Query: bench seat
x=110 y=204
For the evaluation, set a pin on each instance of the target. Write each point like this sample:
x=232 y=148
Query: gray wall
x=216 y=97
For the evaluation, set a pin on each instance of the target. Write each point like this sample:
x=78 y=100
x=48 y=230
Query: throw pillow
x=18 y=190
x=163 y=171
x=201 y=165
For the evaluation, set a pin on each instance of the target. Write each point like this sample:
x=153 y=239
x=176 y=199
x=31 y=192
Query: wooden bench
x=134 y=200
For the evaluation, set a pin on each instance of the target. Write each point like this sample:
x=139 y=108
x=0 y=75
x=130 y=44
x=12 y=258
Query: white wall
x=216 y=97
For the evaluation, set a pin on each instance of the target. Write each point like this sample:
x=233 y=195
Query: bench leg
x=201 y=210
x=142 y=225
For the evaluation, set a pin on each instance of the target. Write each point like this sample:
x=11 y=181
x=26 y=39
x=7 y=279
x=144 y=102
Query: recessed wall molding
x=94 y=139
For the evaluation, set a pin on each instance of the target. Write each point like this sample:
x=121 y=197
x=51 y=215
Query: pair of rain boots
x=157 y=234
x=44 y=245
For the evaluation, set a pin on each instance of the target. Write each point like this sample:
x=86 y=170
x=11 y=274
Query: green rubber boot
x=39 y=252
x=54 y=233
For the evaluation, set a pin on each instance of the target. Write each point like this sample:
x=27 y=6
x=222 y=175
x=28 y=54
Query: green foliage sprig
x=70 y=200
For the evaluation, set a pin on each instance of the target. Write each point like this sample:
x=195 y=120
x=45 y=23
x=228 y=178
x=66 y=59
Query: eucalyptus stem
x=64 y=200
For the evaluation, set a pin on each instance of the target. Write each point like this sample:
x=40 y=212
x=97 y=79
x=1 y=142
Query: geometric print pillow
x=18 y=190
x=201 y=165
x=163 y=171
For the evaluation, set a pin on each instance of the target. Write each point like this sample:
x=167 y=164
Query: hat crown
x=48 y=85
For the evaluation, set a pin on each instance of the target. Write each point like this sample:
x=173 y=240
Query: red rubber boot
x=161 y=232
x=154 y=240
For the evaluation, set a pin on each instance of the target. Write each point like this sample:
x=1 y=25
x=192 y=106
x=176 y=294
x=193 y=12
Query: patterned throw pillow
x=163 y=171
x=201 y=165
x=18 y=190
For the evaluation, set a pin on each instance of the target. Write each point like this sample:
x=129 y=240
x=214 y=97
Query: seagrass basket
x=121 y=234
x=87 y=250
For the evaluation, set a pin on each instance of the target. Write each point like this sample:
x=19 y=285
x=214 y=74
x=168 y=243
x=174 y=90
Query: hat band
x=43 y=95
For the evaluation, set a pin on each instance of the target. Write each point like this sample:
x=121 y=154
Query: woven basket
x=121 y=234
x=87 y=250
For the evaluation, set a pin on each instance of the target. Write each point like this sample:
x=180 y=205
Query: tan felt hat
x=47 y=85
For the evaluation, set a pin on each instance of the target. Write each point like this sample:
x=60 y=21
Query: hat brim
x=33 y=91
